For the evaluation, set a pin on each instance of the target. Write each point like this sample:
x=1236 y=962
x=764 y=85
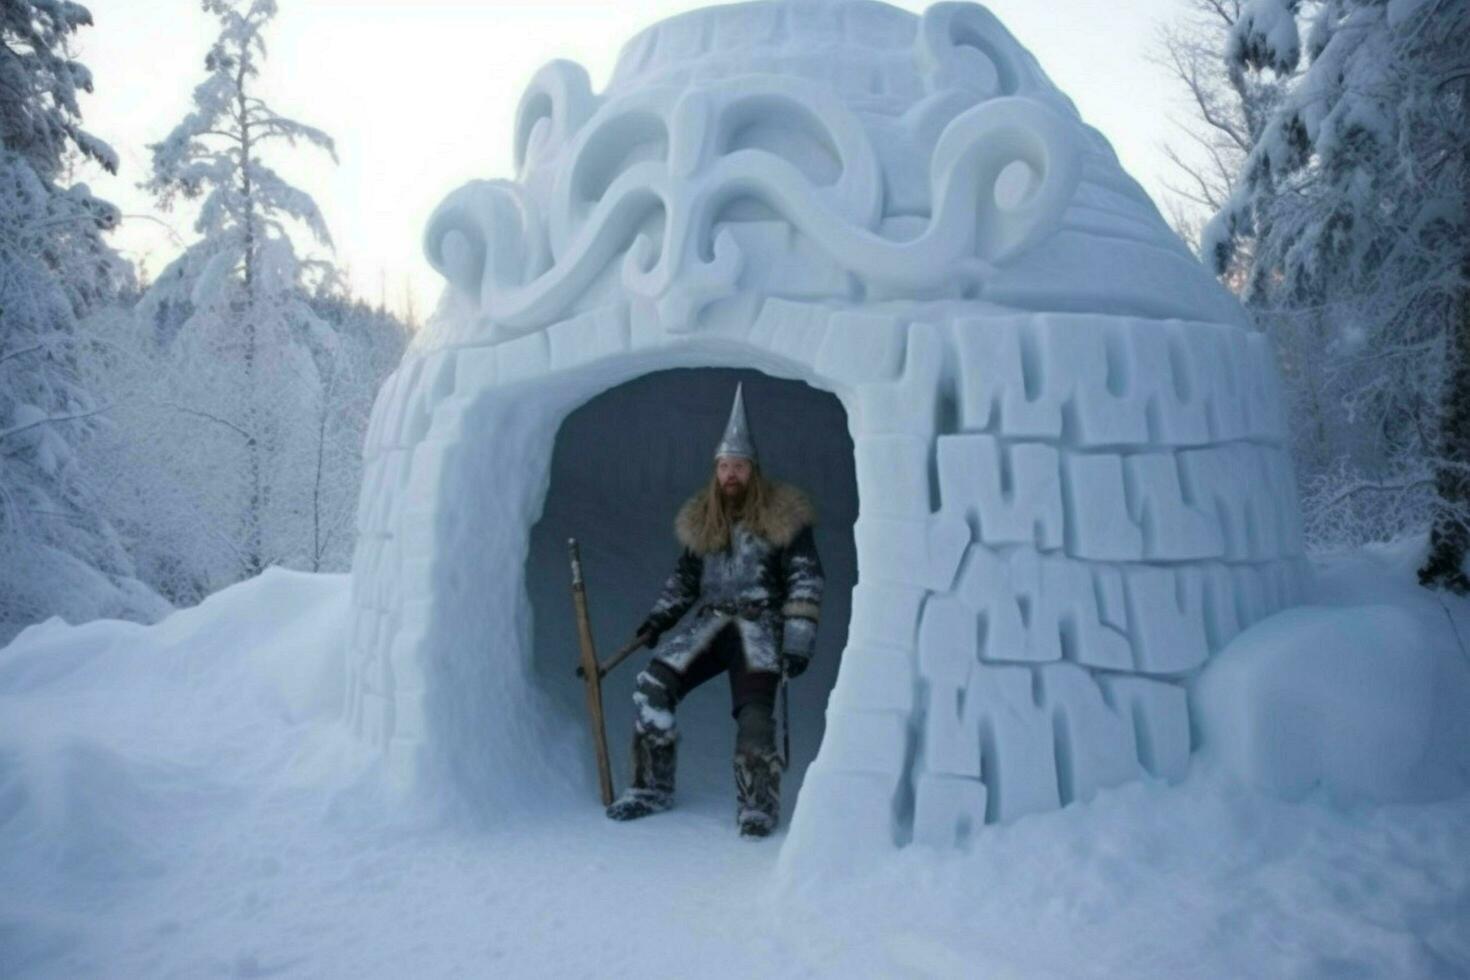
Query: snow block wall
x=1069 y=446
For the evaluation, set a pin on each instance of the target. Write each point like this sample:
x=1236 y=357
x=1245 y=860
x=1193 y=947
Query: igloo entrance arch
x=1068 y=443
x=624 y=462
x=451 y=679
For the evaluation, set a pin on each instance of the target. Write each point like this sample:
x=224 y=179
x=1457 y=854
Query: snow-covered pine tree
x=58 y=553
x=1227 y=105
x=1354 y=199
x=250 y=357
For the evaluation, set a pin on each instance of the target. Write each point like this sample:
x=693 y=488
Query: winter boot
x=654 y=759
x=757 y=791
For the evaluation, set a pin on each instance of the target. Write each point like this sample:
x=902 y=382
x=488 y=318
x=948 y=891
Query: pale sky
x=420 y=98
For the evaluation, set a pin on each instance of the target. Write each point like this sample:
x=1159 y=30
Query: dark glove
x=793 y=664
x=650 y=634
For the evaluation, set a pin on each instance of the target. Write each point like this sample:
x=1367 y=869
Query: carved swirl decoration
x=647 y=175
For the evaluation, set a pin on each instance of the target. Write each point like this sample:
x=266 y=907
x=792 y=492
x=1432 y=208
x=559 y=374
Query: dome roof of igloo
x=842 y=150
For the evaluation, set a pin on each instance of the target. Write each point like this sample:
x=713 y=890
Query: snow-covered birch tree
x=58 y=552
x=371 y=343
x=169 y=504
x=1225 y=107
x=248 y=353
x=1354 y=200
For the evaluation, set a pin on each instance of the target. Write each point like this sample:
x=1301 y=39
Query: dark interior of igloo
x=622 y=465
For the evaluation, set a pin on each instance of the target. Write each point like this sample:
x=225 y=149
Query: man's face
x=733 y=475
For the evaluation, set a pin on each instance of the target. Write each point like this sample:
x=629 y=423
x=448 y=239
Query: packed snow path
x=179 y=800
x=1163 y=884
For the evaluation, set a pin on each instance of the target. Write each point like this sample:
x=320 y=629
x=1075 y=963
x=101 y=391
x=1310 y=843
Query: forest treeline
x=162 y=439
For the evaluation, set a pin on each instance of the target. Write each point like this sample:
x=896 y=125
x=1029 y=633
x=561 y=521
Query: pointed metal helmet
x=736 y=440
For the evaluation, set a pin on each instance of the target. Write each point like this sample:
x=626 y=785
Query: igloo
x=1070 y=483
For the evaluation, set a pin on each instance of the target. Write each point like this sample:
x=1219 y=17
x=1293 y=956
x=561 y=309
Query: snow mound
x=1366 y=702
x=278 y=635
x=50 y=579
x=75 y=805
x=171 y=805
x=115 y=738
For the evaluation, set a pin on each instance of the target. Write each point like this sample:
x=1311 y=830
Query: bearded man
x=749 y=554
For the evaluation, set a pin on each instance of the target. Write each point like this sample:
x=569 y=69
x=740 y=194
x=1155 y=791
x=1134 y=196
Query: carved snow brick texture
x=1062 y=517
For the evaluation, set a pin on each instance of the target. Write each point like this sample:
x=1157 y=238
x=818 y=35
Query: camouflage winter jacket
x=767 y=579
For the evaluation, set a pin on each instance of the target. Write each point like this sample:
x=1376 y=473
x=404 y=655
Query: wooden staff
x=592 y=675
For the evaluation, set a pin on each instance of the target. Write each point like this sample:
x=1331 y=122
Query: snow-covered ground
x=178 y=800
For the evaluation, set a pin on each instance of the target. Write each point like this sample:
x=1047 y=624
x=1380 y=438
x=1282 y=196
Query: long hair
x=772 y=509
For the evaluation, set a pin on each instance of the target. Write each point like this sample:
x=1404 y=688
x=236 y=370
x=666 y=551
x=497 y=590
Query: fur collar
x=787 y=510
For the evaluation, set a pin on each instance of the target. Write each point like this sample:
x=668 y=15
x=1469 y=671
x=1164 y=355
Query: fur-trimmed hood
x=785 y=511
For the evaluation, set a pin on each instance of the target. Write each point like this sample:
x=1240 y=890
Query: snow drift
x=1362 y=696
x=179 y=800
